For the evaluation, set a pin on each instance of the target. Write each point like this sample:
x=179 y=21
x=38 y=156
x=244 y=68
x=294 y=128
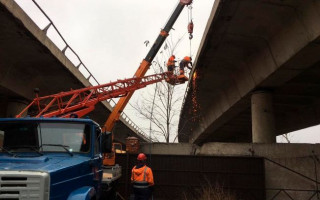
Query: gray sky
x=109 y=36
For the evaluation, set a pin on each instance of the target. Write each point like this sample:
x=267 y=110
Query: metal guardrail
x=110 y=101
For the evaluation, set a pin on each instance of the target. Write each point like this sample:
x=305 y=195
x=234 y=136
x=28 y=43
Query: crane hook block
x=186 y=2
x=190 y=30
x=190 y=27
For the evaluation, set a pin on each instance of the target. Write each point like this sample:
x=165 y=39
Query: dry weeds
x=210 y=192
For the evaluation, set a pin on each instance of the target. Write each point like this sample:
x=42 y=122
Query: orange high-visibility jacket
x=171 y=61
x=142 y=176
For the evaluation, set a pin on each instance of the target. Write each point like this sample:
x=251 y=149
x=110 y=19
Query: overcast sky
x=109 y=35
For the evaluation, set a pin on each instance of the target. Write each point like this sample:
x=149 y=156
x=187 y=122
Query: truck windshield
x=44 y=136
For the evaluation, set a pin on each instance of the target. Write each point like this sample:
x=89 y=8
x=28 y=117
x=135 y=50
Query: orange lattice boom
x=78 y=103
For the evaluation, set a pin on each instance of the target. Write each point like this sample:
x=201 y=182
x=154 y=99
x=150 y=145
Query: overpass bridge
x=29 y=59
x=256 y=74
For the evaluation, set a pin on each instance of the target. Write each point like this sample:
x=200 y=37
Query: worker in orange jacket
x=142 y=179
x=185 y=62
x=171 y=63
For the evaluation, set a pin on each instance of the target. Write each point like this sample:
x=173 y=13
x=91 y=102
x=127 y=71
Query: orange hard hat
x=142 y=156
x=187 y=58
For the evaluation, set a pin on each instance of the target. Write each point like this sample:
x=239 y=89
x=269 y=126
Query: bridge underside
x=254 y=45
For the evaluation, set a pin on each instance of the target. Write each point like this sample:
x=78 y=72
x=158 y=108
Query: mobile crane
x=57 y=155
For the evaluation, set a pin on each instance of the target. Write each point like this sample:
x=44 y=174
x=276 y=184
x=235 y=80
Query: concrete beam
x=169 y=148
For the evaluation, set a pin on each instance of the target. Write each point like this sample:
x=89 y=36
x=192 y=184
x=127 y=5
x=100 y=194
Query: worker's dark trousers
x=142 y=193
x=170 y=68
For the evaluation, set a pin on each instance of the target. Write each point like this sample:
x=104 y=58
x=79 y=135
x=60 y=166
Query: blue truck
x=53 y=158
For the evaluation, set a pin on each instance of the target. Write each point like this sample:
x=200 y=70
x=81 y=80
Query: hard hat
x=142 y=156
x=187 y=58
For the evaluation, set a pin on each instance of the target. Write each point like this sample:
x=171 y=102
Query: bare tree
x=161 y=105
x=286 y=137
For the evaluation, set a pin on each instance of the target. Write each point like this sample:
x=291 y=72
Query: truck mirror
x=106 y=142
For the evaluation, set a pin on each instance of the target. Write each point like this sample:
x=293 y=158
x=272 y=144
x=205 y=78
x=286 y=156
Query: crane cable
x=190 y=25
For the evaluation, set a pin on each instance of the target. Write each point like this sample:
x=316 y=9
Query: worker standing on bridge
x=171 y=64
x=185 y=62
x=142 y=179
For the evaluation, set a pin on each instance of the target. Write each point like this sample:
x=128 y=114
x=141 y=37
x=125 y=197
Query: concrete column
x=15 y=107
x=263 y=124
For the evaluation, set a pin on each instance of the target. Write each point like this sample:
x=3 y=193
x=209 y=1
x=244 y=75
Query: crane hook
x=190 y=30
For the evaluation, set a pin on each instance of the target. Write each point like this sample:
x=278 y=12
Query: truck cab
x=50 y=158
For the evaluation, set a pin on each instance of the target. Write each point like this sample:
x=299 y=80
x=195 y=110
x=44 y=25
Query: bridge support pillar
x=263 y=124
x=15 y=106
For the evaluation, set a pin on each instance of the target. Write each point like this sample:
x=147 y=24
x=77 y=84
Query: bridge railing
x=90 y=76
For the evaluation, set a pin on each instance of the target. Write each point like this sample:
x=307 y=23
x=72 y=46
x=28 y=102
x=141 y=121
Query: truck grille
x=21 y=185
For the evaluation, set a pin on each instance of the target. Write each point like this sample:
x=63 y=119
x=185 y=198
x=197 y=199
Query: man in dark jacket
x=185 y=62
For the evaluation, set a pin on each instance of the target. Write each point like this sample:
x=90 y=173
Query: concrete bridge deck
x=249 y=47
x=29 y=59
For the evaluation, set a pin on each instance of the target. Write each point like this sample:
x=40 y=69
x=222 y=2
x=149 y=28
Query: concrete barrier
x=291 y=170
x=169 y=149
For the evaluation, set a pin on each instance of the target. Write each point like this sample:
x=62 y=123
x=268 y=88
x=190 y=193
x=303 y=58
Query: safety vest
x=138 y=181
